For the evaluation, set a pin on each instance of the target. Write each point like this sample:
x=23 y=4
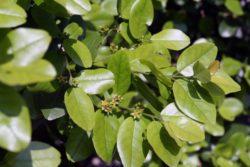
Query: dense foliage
x=144 y=82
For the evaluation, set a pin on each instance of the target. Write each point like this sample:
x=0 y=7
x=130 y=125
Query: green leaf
x=130 y=143
x=24 y=4
x=55 y=7
x=76 y=7
x=155 y=53
x=124 y=31
x=225 y=82
x=163 y=145
x=234 y=6
x=231 y=66
x=147 y=93
x=215 y=92
x=194 y=102
x=78 y=52
x=78 y=145
x=38 y=154
x=95 y=81
x=73 y=30
x=141 y=16
x=182 y=127
x=226 y=30
x=247 y=74
x=38 y=71
x=15 y=124
x=110 y=6
x=158 y=74
x=215 y=129
x=23 y=46
x=53 y=113
x=45 y=20
x=105 y=135
x=201 y=73
x=127 y=98
x=231 y=108
x=205 y=53
x=125 y=7
x=80 y=108
x=119 y=65
x=98 y=17
x=172 y=39
x=48 y=87
x=11 y=14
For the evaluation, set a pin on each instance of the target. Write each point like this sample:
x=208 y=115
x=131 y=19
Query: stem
x=152 y=116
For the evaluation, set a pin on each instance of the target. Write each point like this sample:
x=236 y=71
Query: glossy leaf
x=231 y=108
x=120 y=67
x=183 y=127
x=38 y=154
x=11 y=14
x=163 y=145
x=205 y=53
x=172 y=39
x=105 y=135
x=95 y=81
x=156 y=54
x=76 y=7
x=42 y=71
x=130 y=143
x=78 y=52
x=78 y=145
x=141 y=16
x=80 y=108
x=33 y=46
x=194 y=103
x=53 y=113
x=15 y=125
x=73 y=30
x=125 y=7
x=225 y=82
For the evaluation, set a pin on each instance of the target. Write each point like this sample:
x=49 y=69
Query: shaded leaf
x=163 y=145
x=78 y=145
x=38 y=154
x=192 y=103
x=183 y=127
